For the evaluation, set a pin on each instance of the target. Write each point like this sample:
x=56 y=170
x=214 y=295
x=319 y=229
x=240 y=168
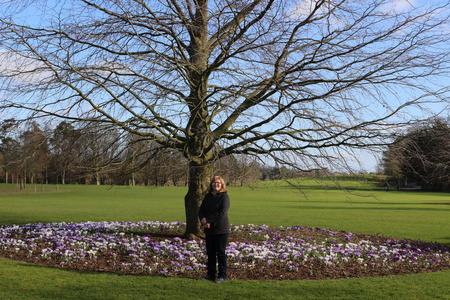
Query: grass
x=34 y=282
x=398 y=214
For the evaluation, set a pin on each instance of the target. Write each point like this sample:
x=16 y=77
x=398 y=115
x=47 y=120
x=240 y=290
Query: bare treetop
x=297 y=80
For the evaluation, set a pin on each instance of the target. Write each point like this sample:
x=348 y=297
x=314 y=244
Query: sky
x=368 y=159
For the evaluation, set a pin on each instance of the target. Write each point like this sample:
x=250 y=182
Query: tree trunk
x=97 y=178
x=199 y=179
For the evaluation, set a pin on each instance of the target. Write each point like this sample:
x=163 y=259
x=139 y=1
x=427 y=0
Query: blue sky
x=10 y=63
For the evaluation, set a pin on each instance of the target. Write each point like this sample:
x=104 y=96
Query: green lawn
x=318 y=204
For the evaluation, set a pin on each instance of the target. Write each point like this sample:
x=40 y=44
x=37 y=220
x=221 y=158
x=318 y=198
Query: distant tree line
x=421 y=157
x=67 y=154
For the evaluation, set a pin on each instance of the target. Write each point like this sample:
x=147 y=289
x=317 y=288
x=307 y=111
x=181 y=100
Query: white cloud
x=21 y=68
x=325 y=14
x=304 y=8
x=398 y=6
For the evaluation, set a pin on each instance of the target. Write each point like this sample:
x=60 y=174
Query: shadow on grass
x=366 y=187
x=36 y=266
x=334 y=188
x=355 y=205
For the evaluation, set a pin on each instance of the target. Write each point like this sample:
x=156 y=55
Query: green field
x=362 y=208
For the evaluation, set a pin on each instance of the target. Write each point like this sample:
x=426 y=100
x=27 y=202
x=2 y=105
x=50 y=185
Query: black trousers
x=215 y=249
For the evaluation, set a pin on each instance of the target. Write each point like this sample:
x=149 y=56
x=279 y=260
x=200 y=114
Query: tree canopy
x=421 y=156
x=302 y=82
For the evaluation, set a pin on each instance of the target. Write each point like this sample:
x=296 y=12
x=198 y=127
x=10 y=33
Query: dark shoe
x=220 y=280
x=207 y=277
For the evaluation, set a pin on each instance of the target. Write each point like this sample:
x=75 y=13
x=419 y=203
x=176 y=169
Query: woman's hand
x=205 y=223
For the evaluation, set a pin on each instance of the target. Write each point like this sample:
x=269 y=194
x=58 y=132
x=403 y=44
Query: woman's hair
x=219 y=178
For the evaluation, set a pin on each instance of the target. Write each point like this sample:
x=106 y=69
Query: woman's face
x=216 y=186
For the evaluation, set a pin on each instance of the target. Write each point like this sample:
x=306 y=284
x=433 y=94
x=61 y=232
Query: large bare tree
x=301 y=81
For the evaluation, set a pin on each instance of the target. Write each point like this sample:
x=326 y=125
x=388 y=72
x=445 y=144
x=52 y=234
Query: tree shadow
x=355 y=206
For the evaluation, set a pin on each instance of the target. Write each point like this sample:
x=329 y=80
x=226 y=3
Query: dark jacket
x=215 y=209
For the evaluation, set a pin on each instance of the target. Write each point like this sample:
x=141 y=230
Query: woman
x=213 y=214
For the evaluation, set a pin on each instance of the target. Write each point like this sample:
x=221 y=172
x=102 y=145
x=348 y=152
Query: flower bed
x=255 y=252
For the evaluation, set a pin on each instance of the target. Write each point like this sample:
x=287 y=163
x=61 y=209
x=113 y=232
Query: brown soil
x=259 y=271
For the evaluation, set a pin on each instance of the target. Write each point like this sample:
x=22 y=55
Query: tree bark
x=199 y=178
